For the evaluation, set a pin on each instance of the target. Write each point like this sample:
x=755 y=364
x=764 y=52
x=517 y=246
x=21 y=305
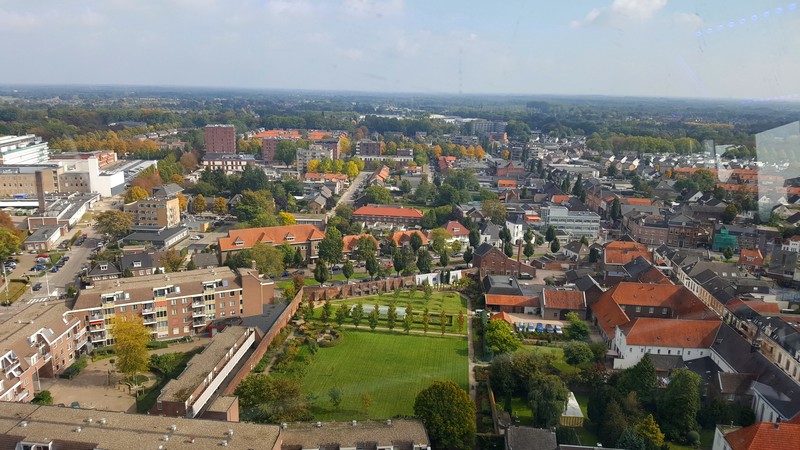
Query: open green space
x=391 y=367
x=15 y=291
x=450 y=301
x=310 y=281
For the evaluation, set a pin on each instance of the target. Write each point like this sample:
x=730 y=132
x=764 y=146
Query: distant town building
x=313 y=152
x=576 y=223
x=367 y=147
x=27 y=149
x=220 y=138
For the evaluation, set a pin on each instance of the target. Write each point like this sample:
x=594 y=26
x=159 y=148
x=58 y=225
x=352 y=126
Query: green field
x=310 y=281
x=452 y=302
x=391 y=367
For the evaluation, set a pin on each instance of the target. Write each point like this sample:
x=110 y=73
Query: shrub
x=693 y=437
x=43 y=398
x=157 y=345
x=76 y=367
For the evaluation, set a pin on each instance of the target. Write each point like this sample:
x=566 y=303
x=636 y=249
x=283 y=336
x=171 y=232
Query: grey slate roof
x=203 y=260
x=527 y=438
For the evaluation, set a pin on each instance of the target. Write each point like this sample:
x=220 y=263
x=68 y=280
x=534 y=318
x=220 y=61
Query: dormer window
x=238 y=243
x=137 y=264
x=289 y=237
x=103 y=266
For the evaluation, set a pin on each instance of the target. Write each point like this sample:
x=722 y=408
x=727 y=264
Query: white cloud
x=352 y=54
x=13 y=21
x=621 y=11
x=692 y=20
x=379 y=8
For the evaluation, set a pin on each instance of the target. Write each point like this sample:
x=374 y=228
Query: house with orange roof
x=507 y=184
x=557 y=303
x=387 y=216
x=627 y=301
x=403 y=238
x=350 y=243
x=304 y=238
x=687 y=339
x=760 y=436
x=457 y=232
x=751 y=258
x=516 y=304
x=618 y=253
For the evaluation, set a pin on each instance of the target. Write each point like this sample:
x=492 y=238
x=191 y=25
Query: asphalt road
x=347 y=195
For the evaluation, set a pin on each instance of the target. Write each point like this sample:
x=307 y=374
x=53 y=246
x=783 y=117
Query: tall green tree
x=500 y=337
x=357 y=314
x=331 y=246
x=680 y=404
x=416 y=241
x=391 y=316
x=547 y=397
x=448 y=413
x=321 y=273
x=424 y=261
x=116 y=223
x=130 y=344
x=347 y=269
x=371 y=264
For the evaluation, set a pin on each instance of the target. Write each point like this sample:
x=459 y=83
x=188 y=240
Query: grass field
x=451 y=302
x=15 y=291
x=391 y=367
x=310 y=281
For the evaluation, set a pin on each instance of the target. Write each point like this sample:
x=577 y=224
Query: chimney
x=510 y=281
x=38 y=176
x=253 y=264
x=777 y=423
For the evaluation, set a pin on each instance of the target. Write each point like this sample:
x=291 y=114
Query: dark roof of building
x=734 y=383
x=773 y=384
x=145 y=261
x=501 y=284
x=203 y=260
x=167 y=190
x=667 y=362
x=637 y=266
x=104 y=268
x=483 y=249
x=705 y=367
x=527 y=438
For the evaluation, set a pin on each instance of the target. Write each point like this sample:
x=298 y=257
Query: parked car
x=54 y=269
x=525 y=276
x=285 y=273
x=531 y=328
x=195 y=238
x=65 y=258
x=37 y=286
x=539 y=327
x=559 y=330
x=335 y=268
x=549 y=328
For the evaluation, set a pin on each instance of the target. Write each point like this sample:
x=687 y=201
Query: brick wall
x=265 y=342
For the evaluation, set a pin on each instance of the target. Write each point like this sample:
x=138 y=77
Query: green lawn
x=391 y=367
x=310 y=281
x=15 y=291
x=451 y=302
x=521 y=410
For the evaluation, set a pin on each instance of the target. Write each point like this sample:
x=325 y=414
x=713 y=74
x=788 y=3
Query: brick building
x=492 y=261
x=173 y=305
x=367 y=147
x=304 y=238
x=220 y=138
x=380 y=215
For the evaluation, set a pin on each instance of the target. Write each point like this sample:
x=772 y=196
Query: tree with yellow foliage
x=344 y=146
x=313 y=166
x=437 y=151
x=130 y=344
x=183 y=202
x=284 y=218
x=177 y=179
x=200 y=204
x=135 y=193
x=220 y=205
x=351 y=170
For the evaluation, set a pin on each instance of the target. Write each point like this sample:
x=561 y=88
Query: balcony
x=95 y=317
x=199 y=323
x=11 y=367
x=148 y=311
x=21 y=396
x=150 y=320
x=198 y=313
x=95 y=338
x=97 y=328
x=46 y=356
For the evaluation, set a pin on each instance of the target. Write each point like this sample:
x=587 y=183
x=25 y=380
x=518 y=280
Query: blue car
x=54 y=269
x=539 y=327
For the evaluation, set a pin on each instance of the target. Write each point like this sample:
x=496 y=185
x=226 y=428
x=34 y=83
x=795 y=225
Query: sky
x=738 y=49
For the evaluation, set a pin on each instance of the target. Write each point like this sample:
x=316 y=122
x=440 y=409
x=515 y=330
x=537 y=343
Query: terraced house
x=304 y=238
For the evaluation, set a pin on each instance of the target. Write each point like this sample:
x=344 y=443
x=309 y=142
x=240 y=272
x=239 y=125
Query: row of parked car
x=530 y=327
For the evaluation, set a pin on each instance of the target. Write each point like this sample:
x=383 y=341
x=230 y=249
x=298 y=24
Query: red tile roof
x=511 y=300
x=290 y=234
x=756 y=305
x=765 y=436
x=683 y=303
x=559 y=198
x=388 y=211
x=502 y=316
x=635 y=201
x=562 y=299
x=623 y=252
x=751 y=257
x=456 y=229
x=506 y=183
x=646 y=331
x=401 y=237
x=351 y=241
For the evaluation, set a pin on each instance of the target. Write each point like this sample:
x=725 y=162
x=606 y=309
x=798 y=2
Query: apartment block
x=220 y=138
x=155 y=213
x=173 y=305
x=42 y=344
x=576 y=223
x=313 y=152
x=20 y=180
x=366 y=147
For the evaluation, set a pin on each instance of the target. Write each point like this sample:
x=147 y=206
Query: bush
x=76 y=367
x=43 y=398
x=152 y=345
x=693 y=437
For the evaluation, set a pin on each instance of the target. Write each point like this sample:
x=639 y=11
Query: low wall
x=265 y=342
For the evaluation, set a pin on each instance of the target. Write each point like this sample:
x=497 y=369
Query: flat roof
x=30 y=320
x=45 y=424
x=201 y=365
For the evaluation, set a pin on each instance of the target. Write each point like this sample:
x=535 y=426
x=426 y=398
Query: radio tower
x=460 y=72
